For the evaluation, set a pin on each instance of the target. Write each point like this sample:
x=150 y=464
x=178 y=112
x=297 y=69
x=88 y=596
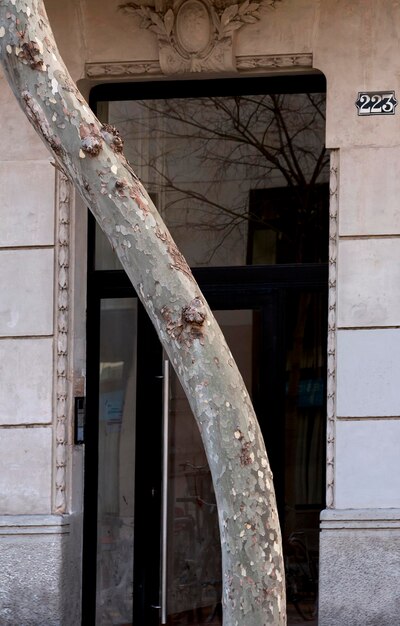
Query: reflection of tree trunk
x=91 y=154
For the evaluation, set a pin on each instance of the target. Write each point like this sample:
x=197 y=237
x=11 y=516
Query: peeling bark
x=92 y=156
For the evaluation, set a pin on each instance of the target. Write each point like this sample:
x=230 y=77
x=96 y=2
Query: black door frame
x=250 y=287
x=247 y=283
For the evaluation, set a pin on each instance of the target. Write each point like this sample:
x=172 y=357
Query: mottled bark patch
x=178 y=261
x=68 y=85
x=160 y=234
x=89 y=190
x=121 y=185
x=31 y=54
x=187 y=326
x=39 y=121
x=194 y=313
x=139 y=198
x=246 y=457
x=91 y=141
x=112 y=137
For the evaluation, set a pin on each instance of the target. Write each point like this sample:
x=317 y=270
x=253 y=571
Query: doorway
x=151 y=549
x=154 y=556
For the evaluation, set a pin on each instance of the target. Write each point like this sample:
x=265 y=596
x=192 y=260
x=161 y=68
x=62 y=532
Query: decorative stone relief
x=122 y=69
x=196 y=35
x=64 y=189
x=331 y=374
x=261 y=63
x=272 y=61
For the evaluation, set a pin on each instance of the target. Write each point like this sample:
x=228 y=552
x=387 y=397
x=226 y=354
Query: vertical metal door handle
x=164 y=499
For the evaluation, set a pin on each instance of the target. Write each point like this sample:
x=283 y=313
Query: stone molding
x=122 y=69
x=61 y=340
x=360 y=519
x=332 y=298
x=34 y=525
x=265 y=62
x=250 y=63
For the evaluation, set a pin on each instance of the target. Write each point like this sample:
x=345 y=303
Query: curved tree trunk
x=92 y=156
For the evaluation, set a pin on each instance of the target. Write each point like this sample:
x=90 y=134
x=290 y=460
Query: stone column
x=360 y=539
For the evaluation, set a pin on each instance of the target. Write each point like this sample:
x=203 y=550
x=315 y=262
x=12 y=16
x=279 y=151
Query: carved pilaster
x=64 y=195
x=331 y=375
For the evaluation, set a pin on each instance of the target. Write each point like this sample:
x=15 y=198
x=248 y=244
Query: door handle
x=164 y=497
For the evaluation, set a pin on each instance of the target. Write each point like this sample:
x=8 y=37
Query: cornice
x=119 y=70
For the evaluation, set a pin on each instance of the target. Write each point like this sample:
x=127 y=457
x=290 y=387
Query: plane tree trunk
x=91 y=154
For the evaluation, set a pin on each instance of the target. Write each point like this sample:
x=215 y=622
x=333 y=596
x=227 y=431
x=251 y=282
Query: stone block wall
x=26 y=315
x=34 y=543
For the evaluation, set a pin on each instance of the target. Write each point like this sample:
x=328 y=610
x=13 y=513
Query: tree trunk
x=91 y=154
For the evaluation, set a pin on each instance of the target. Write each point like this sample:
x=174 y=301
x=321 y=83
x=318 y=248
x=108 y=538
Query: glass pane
x=237 y=179
x=194 y=554
x=305 y=417
x=305 y=404
x=117 y=419
x=104 y=256
x=288 y=227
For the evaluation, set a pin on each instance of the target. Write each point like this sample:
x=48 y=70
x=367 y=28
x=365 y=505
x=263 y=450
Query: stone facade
x=43 y=253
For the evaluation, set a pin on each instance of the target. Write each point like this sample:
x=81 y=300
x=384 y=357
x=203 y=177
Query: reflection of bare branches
x=236 y=215
x=259 y=124
x=206 y=155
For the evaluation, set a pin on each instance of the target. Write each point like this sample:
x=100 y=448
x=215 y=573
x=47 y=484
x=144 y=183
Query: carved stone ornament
x=62 y=387
x=244 y=64
x=331 y=373
x=196 y=35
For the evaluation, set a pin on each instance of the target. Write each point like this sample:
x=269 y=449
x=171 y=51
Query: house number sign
x=376 y=103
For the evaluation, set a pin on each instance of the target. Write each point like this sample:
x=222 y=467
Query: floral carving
x=196 y=35
x=331 y=373
x=62 y=389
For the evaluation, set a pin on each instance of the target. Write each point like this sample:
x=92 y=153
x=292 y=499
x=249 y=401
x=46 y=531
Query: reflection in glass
x=194 y=553
x=237 y=179
x=194 y=580
x=117 y=418
x=305 y=414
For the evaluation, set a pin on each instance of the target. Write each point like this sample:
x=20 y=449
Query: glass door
x=279 y=346
x=193 y=552
x=121 y=552
x=116 y=453
x=153 y=524
x=239 y=172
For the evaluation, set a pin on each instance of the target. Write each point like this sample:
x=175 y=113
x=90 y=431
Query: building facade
x=81 y=509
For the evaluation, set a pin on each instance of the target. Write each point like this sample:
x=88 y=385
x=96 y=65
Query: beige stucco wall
x=355 y=45
x=26 y=314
